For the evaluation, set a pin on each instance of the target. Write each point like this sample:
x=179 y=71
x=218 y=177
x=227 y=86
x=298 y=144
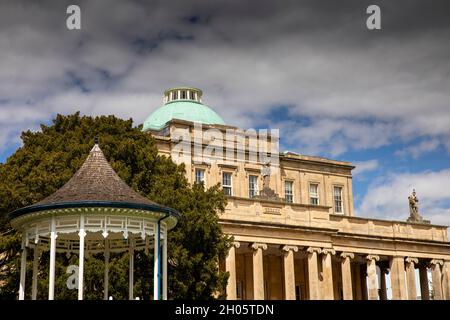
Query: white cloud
x=387 y=198
x=365 y=166
x=415 y=151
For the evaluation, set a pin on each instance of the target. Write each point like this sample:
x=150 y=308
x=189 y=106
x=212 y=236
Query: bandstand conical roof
x=96 y=180
x=95 y=184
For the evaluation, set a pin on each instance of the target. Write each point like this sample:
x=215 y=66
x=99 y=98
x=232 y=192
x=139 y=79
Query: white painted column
x=164 y=265
x=51 y=277
x=156 y=265
x=106 y=276
x=289 y=271
x=35 y=272
x=131 y=270
x=82 y=235
x=23 y=268
x=230 y=267
x=346 y=270
x=372 y=276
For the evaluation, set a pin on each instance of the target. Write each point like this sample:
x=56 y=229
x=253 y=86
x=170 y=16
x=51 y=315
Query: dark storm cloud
x=316 y=57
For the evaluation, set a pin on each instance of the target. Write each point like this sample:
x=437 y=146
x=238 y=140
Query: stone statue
x=414 y=206
x=265 y=171
x=414 y=215
x=267 y=193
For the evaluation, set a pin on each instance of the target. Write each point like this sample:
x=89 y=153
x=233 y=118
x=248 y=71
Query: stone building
x=296 y=235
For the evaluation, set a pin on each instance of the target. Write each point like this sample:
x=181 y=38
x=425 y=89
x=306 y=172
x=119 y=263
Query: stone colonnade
x=361 y=277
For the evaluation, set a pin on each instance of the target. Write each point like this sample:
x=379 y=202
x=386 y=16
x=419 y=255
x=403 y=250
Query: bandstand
x=94 y=212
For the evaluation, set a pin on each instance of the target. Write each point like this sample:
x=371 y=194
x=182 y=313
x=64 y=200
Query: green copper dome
x=184 y=104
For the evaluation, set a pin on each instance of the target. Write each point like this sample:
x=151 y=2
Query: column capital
x=328 y=251
x=288 y=248
x=437 y=261
x=350 y=255
x=257 y=246
x=370 y=257
x=236 y=244
x=412 y=260
x=314 y=249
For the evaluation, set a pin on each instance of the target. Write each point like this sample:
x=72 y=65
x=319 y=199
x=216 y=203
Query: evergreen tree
x=49 y=158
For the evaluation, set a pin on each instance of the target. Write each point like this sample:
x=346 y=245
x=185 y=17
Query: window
x=252 y=186
x=239 y=290
x=174 y=95
x=200 y=176
x=183 y=94
x=314 y=193
x=288 y=191
x=337 y=195
x=226 y=183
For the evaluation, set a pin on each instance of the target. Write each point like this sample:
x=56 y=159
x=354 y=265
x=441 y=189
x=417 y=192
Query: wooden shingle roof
x=96 y=180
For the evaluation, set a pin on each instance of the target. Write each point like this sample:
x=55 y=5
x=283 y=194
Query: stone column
x=230 y=266
x=436 y=278
x=346 y=269
x=289 y=271
x=411 y=277
x=313 y=273
x=446 y=279
x=424 y=289
x=372 y=276
x=383 y=288
x=258 y=270
x=328 y=290
x=398 y=283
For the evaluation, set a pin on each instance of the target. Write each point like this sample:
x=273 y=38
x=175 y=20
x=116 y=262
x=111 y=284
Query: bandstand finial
x=96 y=140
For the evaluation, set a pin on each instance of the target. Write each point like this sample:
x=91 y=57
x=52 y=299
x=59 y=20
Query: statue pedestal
x=268 y=194
x=418 y=220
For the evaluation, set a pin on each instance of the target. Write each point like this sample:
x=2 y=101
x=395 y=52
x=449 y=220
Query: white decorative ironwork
x=85 y=232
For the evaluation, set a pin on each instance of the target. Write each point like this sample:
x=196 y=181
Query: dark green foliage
x=49 y=158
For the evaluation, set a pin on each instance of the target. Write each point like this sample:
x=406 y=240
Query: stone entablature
x=244 y=209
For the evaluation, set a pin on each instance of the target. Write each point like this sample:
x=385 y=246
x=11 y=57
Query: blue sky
x=379 y=99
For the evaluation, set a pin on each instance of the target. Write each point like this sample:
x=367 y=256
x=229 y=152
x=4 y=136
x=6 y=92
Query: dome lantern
x=183 y=94
x=182 y=103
